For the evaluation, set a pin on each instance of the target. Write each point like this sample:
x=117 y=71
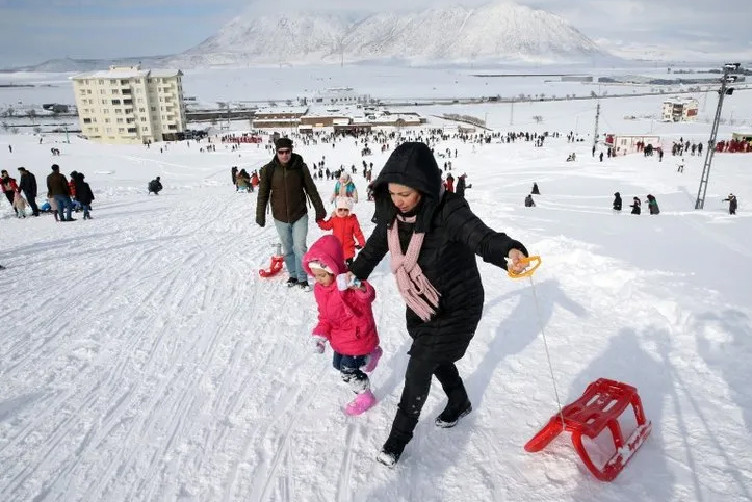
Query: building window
x=100 y=81
x=143 y=119
x=142 y=110
x=87 y=120
x=106 y=121
x=116 y=91
x=121 y=129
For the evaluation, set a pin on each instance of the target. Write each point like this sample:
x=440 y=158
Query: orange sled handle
x=534 y=260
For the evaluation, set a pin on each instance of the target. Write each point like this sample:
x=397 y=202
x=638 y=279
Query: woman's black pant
x=420 y=371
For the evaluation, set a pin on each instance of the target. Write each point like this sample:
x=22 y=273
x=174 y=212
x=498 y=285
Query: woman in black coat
x=84 y=195
x=617 y=201
x=438 y=237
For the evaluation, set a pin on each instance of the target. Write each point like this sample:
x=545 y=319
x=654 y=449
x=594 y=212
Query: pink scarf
x=414 y=287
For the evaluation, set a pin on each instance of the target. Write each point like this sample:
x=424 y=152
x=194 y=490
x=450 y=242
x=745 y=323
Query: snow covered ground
x=143 y=358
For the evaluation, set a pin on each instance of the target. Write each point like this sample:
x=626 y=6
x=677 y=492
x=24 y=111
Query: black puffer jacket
x=454 y=235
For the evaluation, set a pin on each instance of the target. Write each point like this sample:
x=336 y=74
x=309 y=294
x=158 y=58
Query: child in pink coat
x=345 y=320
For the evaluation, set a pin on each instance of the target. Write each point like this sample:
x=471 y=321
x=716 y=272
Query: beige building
x=679 y=109
x=126 y=104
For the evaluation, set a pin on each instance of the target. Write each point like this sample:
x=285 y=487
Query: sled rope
x=535 y=261
x=545 y=345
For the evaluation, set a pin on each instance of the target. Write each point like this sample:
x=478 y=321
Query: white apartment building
x=126 y=104
x=679 y=109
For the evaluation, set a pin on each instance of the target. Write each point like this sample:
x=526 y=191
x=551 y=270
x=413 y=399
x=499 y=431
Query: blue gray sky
x=32 y=31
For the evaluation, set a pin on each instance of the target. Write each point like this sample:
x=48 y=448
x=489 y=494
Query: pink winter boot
x=360 y=404
x=372 y=360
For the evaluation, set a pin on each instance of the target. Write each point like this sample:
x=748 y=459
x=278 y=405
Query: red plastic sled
x=275 y=264
x=599 y=407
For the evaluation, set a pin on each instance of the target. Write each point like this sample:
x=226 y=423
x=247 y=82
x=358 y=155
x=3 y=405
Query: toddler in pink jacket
x=345 y=320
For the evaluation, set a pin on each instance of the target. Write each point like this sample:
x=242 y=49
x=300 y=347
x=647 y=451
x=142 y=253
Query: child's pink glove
x=319 y=344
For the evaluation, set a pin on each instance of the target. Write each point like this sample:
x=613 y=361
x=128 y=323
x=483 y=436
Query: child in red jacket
x=345 y=227
x=345 y=320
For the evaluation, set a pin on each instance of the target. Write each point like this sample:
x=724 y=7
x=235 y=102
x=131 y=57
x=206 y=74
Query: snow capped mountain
x=497 y=32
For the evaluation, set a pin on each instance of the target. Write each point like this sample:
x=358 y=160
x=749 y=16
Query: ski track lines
x=144 y=378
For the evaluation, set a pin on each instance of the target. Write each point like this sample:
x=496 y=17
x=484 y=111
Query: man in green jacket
x=286 y=184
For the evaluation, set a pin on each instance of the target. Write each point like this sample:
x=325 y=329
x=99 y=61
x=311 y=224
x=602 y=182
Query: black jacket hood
x=411 y=164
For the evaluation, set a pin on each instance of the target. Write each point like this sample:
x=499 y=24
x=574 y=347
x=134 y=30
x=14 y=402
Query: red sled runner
x=599 y=407
x=276 y=263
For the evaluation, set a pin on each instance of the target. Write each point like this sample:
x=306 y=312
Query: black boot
x=400 y=435
x=452 y=414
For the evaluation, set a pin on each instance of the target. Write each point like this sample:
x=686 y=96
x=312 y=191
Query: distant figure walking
x=529 y=202
x=617 y=201
x=731 y=199
x=652 y=205
x=535 y=190
x=636 y=205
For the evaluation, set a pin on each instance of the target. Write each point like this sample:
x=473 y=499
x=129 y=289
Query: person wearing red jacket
x=10 y=187
x=345 y=227
x=345 y=320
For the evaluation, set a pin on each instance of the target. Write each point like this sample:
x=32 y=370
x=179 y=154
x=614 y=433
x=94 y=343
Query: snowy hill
x=142 y=357
x=496 y=32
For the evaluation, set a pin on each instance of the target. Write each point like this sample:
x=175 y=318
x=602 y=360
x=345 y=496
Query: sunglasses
x=284 y=152
x=342 y=209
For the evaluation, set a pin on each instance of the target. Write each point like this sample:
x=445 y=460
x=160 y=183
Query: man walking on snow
x=287 y=181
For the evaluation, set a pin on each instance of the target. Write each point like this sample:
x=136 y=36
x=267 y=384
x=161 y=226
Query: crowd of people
x=63 y=195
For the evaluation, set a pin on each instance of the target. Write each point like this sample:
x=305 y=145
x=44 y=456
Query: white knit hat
x=320 y=266
x=345 y=203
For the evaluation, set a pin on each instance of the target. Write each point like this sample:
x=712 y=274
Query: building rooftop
x=130 y=72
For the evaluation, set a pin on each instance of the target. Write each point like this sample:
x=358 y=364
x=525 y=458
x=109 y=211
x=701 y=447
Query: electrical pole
x=700 y=203
x=597 y=116
x=511 y=116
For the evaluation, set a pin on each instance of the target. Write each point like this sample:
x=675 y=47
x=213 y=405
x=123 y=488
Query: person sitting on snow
x=155 y=186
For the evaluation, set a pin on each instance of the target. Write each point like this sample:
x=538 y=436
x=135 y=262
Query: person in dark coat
x=535 y=190
x=84 y=194
x=234 y=173
x=529 y=202
x=59 y=190
x=731 y=199
x=461 y=185
x=155 y=186
x=617 y=201
x=28 y=186
x=285 y=184
x=652 y=205
x=636 y=205
x=432 y=238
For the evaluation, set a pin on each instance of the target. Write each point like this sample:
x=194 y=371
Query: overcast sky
x=32 y=31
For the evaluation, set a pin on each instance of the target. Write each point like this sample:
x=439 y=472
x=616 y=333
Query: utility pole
x=511 y=116
x=597 y=116
x=727 y=79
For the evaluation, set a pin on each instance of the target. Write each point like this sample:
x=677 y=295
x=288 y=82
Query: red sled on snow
x=276 y=263
x=599 y=407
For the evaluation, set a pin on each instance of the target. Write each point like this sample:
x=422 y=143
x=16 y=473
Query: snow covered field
x=143 y=358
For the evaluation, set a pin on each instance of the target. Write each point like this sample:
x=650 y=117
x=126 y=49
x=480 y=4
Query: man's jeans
x=63 y=201
x=293 y=237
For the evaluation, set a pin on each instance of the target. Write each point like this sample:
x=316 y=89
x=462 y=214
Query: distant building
x=339 y=96
x=623 y=144
x=679 y=109
x=126 y=104
x=276 y=117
